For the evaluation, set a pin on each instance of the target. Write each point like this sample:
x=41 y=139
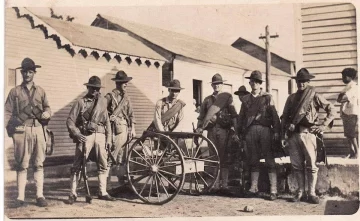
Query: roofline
x=73 y=49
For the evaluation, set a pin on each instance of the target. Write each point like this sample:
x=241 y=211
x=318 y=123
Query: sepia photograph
x=191 y=109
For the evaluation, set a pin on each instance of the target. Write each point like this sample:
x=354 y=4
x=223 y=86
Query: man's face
x=255 y=85
x=28 y=75
x=346 y=79
x=173 y=94
x=217 y=86
x=302 y=84
x=121 y=86
x=94 y=91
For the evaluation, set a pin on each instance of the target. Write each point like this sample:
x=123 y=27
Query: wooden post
x=268 y=56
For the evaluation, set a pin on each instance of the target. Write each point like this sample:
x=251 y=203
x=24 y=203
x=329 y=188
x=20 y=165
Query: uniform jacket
x=258 y=110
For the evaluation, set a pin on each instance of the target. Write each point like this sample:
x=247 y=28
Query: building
x=329 y=44
x=69 y=54
x=194 y=61
x=260 y=53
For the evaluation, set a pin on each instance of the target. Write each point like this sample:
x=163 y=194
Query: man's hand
x=276 y=136
x=112 y=118
x=81 y=138
x=199 y=130
x=45 y=115
x=291 y=127
x=319 y=129
x=132 y=133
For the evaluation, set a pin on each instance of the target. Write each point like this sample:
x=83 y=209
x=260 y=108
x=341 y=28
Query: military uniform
x=89 y=118
x=300 y=120
x=23 y=114
x=217 y=116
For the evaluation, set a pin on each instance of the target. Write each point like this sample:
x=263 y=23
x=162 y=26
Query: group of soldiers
x=100 y=125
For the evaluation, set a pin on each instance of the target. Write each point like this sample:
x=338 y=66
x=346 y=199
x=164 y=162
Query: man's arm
x=327 y=106
x=275 y=118
x=71 y=120
x=157 y=116
x=202 y=114
x=9 y=106
x=131 y=117
x=285 y=117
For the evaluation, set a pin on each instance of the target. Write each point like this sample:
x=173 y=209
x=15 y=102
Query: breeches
x=302 y=148
x=29 y=147
x=219 y=137
x=94 y=141
x=258 y=143
x=119 y=142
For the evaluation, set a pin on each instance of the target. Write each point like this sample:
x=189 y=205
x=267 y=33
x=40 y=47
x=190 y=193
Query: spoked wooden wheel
x=202 y=163
x=155 y=167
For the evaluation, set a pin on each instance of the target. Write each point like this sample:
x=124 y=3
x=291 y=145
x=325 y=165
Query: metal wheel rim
x=160 y=183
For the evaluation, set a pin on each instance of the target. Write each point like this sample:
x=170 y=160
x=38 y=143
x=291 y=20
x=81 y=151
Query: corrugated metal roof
x=101 y=39
x=194 y=48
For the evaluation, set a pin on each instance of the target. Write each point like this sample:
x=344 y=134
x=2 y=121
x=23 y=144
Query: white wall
x=185 y=72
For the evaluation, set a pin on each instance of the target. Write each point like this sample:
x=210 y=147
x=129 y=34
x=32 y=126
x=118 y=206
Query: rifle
x=242 y=165
x=84 y=175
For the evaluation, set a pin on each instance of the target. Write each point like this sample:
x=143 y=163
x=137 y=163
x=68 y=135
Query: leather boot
x=300 y=195
x=273 y=186
x=224 y=178
x=253 y=191
x=312 y=179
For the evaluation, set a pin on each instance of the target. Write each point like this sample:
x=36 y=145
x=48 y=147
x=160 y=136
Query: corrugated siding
x=62 y=76
x=329 y=45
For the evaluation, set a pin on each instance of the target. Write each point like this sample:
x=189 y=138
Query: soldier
x=27 y=110
x=300 y=124
x=122 y=121
x=241 y=92
x=218 y=116
x=259 y=124
x=88 y=124
x=169 y=110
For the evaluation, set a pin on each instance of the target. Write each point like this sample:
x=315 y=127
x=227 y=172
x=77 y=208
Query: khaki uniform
x=95 y=141
x=29 y=140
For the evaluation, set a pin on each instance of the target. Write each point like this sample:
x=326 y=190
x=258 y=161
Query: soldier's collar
x=23 y=84
x=167 y=100
x=118 y=92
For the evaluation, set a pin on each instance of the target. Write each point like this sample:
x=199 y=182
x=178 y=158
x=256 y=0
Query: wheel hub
x=154 y=168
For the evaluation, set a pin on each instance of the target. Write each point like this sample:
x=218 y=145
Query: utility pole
x=268 y=56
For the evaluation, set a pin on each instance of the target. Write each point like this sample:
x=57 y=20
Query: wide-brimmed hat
x=121 y=76
x=241 y=91
x=28 y=64
x=303 y=75
x=217 y=79
x=255 y=75
x=175 y=85
x=94 y=81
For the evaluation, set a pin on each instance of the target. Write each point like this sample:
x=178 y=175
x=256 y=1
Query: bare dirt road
x=127 y=205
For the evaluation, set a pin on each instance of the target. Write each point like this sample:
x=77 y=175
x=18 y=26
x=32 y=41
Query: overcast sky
x=218 y=23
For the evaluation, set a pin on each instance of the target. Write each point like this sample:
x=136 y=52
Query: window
x=275 y=95
x=11 y=78
x=197 y=89
x=227 y=88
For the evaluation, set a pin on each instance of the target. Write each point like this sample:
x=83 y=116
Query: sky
x=218 y=23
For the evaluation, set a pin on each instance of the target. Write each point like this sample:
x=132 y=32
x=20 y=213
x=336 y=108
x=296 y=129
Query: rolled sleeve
x=73 y=115
x=157 y=116
x=327 y=106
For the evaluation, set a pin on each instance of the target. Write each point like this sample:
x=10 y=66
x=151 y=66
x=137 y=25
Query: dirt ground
x=127 y=205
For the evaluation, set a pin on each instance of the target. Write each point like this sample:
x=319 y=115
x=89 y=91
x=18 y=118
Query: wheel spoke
x=151 y=150
x=139 y=178
x=157 y=150
x=138 y=163
x=206 y=184
x=192 y=147
x=151 y=184
x=163 y=185
x=167 y=180
x=162 y=155
x=164 y=171
x=137 y=171
x=142 y=189
x=196 y=182
x=210 y=157
x=208 y=174
x=157 y=187
x=142 y=157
